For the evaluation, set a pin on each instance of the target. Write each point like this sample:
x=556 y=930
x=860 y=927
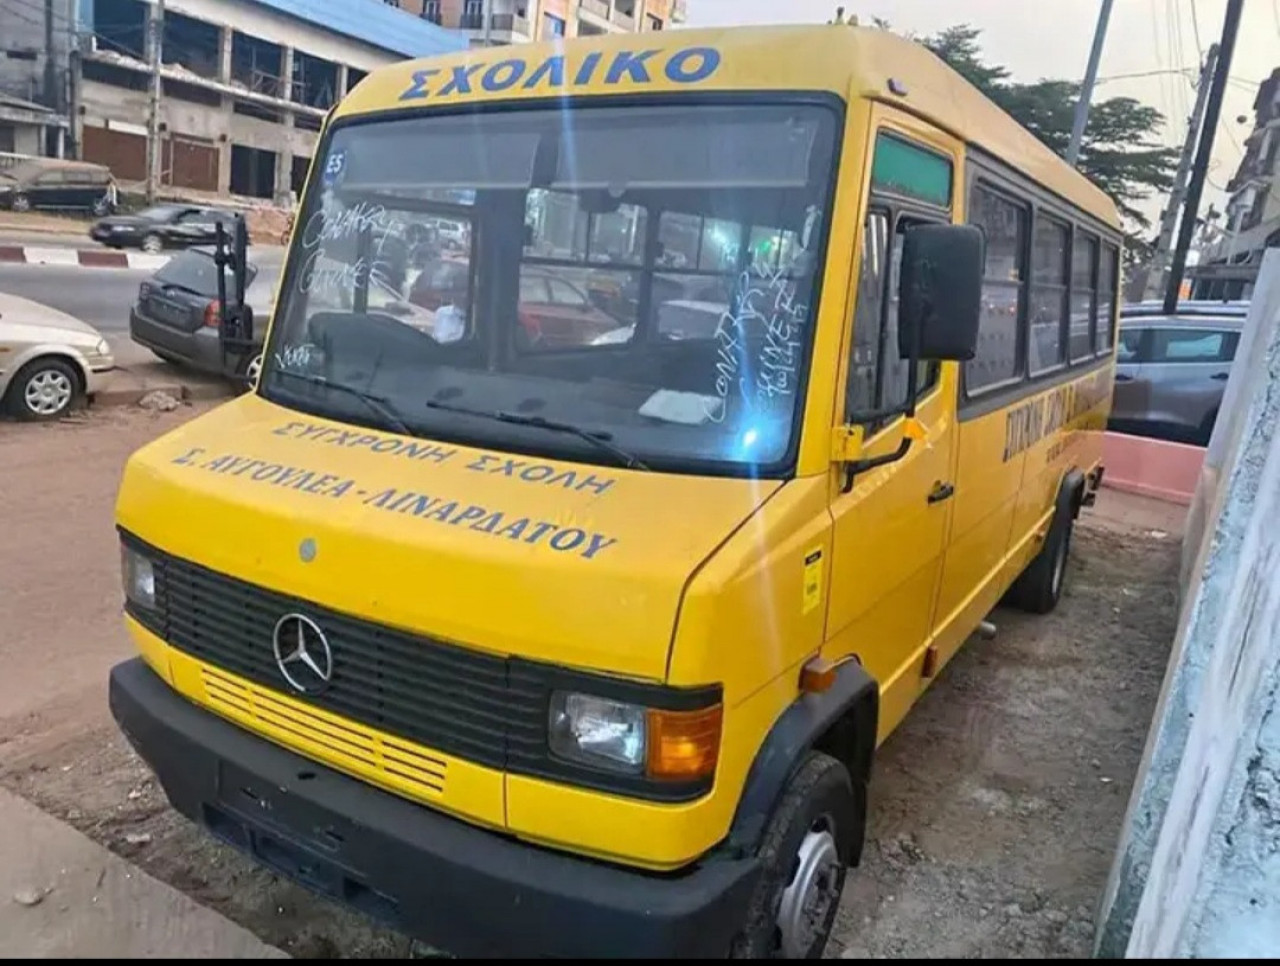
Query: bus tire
x=804 y=855
x=1039 y=588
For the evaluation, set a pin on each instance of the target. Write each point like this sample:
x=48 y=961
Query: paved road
x=99 y=296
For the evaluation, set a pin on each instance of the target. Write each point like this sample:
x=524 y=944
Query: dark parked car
x=53 y=184
x=176 y=314
x=162 y=226
x=1171 y=370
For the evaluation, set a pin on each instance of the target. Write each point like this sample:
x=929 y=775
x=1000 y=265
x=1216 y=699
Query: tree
x=1119 y=152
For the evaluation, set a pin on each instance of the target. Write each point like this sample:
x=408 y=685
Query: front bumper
x=96 y=374
x=460 y=888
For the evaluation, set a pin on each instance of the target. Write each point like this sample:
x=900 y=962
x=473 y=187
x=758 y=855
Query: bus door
x=890 y=524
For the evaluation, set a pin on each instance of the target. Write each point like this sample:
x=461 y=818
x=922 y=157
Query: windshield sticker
x=334 y=168
x=442 y=510
x=526 y=471
x=689 y=65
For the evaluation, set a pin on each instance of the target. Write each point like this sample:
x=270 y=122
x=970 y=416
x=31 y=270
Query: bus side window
x=894 y=368
x=1005 y=225
x=877 y=374
x=860 y=392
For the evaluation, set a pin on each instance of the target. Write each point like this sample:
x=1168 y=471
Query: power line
x=1195 y=29
x=1184 y=71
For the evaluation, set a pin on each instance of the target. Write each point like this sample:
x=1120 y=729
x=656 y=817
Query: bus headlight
x=139 y=577
x=598 y=731
x=629 y=738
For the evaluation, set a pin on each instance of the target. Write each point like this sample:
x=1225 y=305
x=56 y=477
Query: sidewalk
x=139 y=373
x=62 y=895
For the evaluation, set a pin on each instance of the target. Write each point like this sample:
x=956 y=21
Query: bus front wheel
x=804 y=854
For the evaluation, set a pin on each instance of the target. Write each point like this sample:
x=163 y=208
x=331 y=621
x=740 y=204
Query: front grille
x=350 y=747
x=454 y=700
x=449 y=698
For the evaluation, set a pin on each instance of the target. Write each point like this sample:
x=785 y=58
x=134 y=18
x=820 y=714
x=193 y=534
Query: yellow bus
x=643 y=423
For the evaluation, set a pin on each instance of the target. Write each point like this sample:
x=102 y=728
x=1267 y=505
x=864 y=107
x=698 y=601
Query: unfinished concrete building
x=245 y=84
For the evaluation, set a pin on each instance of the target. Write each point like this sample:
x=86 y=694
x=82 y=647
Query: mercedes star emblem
x=302 y=653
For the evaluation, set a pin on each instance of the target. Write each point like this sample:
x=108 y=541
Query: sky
x=1036 y=39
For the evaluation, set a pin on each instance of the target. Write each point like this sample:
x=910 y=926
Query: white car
x=50 y=362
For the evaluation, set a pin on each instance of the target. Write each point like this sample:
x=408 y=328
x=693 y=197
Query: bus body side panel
x=1072 y=418
x=987 y=485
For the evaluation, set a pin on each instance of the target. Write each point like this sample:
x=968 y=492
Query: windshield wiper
x=602 y=441
x=378 y=404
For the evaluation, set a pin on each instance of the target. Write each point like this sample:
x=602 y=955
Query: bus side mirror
x=940 y=292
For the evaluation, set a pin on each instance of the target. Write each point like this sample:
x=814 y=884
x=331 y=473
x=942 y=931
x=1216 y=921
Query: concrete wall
x=26 y=139
x=22 y=29
x=110 y=106
x=1197 y=871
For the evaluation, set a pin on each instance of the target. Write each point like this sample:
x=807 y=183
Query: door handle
x=941 y=491
x=1121 y=377
x=1220 y=376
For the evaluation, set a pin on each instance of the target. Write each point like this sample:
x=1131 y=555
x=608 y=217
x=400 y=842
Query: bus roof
x=830 y=58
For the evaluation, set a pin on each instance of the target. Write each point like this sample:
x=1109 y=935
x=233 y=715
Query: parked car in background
x=556 y=314
x=50 y=362
x=177 y=313
x=52 y=184
x=1171 y=370
x=162 y=226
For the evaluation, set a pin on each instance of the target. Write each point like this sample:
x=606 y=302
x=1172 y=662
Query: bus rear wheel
x=1039 y=588
x=804 y=854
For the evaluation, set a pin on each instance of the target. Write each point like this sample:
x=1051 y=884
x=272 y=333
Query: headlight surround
x=618 y=736
x=139 y=577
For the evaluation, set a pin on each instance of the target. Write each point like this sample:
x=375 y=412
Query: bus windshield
x=645 y=274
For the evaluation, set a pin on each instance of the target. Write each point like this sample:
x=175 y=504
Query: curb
x=117 y=396
x=80 y=257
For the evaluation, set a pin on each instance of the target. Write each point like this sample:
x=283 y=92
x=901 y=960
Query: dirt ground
x=995 y=808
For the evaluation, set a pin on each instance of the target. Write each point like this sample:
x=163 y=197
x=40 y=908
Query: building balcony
x=626 y=21
x=599 y=14
x=504 y=28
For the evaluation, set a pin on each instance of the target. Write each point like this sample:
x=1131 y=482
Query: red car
x=553 y=313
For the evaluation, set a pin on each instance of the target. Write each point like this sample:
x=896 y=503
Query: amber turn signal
x=683 y=745
x=817 y=676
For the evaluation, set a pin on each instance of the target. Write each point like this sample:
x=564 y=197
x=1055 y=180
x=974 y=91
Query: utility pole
x=1156 y=281
x=1086 y=88
x=74 y=67
x=487 y=7
x=51 y=98
x=155 y=23
x=1200 y=167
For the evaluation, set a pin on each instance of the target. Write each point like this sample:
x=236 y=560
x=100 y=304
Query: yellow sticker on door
x=812 y=580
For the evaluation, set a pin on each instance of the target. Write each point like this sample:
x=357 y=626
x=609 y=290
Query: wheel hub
x=48 y=392
x=809 y=895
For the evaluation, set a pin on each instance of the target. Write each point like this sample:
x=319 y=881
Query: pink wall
x=1151 y=467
